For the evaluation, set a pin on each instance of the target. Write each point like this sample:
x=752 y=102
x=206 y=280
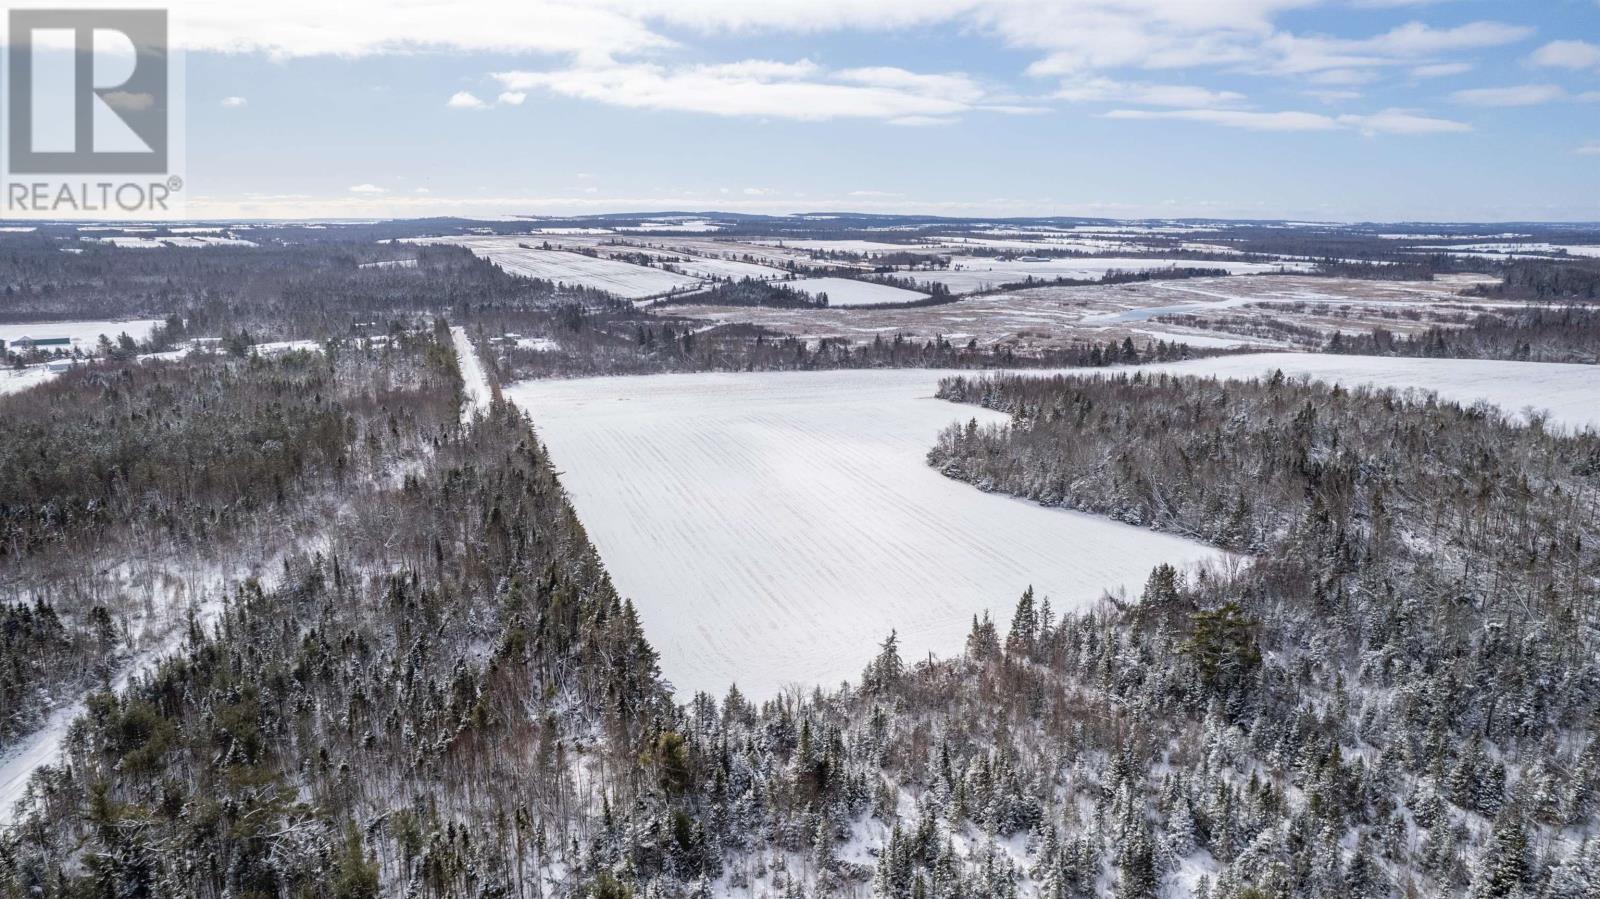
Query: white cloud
x=1105 y=90
x=1592 y=148
x=1441 y=70
x=370 y=190
x=1567 y=55
x=1402 y=121
x=1389 y=121
x=1589 y=97
x=767 y=88
x=233 y=102
x=1518 y=95
x=1236 y=118
x=465 y=100
x=301 y=28
x=1334 y=96
x=1412 y=44
x=511 y=98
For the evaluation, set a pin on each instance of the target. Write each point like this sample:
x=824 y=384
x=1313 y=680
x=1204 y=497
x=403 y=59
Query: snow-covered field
x=624 y=279
x=774 y=527
x=703 y=267
x=85 y=334
x=1569 y=393
x=968 y=274
x=849 y=292
x=189 y=242
x=848 y=246
x=621 y=278
x=12 y=381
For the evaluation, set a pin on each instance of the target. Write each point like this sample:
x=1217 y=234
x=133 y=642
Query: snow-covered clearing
x=1569 y=393
x=475 y=382
x=84 y=334
x=969 y=274
x=774 y=527
x=13 y=381
x=849 y=246
x=623 y=279
x=848 y=292
x=702 y=267
x=189 y=242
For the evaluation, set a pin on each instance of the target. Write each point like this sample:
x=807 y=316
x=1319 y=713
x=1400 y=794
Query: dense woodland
x=1539 y=279
x=427 y=686
x=1397 y=700
x=129 y=490
x=1412 y=660
x=1537 y=334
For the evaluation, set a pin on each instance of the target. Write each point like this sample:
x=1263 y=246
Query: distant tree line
x=1564 y=334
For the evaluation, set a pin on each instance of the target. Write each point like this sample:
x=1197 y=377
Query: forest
x=1394 y=697
x=1538 y=334
x=332 y=640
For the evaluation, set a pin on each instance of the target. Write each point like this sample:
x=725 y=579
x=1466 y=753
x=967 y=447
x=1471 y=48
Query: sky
x=1339 y=110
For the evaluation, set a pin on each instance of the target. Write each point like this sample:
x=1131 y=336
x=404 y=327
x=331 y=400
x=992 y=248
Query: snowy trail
x=473 y=378
x=36 y=750
x=41 y=747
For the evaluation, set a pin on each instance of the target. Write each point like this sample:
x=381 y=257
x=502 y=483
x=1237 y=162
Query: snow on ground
x=848 y=292
x=538 y=344
x=189 y=242
x=279 y=347
x=702 y=267
x=848 y=246
x=12 y=380
x=623 y=279
x=390 y=263
x=1570 y=393
x=774 y=527
x=474 y=380
x=969 y=274
x=159 y=596
x=85 y=334
x=699 y=225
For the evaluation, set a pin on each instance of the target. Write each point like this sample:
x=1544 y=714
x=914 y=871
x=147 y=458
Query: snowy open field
x=189 y=242
x=12 y=381
x=1569 y=393
x=969 y=274
x=704 y=267
x=849 y=292
x=1059 y=315
x=774 y=527
x=623 y=279
x=85 y=334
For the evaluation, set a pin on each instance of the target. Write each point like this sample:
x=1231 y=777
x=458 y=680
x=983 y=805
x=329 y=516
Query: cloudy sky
x=1333 y=110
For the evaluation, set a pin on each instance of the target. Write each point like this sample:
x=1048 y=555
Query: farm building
x=33 y=343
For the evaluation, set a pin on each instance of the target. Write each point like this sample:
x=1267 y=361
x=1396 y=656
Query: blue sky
x=1341 y=110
